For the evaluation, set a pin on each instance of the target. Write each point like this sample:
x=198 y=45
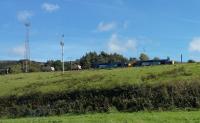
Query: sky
x=162 y=28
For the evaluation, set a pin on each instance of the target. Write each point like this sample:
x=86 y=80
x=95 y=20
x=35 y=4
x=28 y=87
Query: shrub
x=160 y=96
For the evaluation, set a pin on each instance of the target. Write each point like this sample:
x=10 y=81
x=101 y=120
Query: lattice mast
x=27 y=48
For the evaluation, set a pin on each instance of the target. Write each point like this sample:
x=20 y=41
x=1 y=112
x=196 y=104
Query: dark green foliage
x=92 y=58
x=191 y=61
x=57 y=65
x=35 y=67
x=156 y=58
x=17 y=66
x=163 y=96
x=14 y=66
x=87 y=61
x=144 y=57
x=133 y=59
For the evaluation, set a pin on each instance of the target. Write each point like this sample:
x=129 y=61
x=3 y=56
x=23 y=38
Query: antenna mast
x=62 y=46
x=27 y=48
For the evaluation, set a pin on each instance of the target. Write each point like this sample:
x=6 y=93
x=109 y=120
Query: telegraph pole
x=62 y=47
x=181 y=58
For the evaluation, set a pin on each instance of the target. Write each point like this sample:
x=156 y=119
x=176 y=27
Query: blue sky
x=158 y=27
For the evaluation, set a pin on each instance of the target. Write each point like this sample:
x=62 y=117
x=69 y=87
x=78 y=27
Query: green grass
x=19 y=84
x=137 y=117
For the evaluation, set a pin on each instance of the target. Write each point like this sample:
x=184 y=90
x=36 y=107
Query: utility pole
x=70 y=64
x=62 y=46
x=181 y=58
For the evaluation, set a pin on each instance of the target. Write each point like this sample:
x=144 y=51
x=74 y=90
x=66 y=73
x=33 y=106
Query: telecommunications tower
x=27 y=48
x=62 y=47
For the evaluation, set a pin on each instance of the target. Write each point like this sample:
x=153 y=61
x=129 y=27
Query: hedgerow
x=159 y=96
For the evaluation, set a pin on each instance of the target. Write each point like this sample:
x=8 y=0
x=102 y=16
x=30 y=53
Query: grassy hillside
x=19 y=84
x=160 y=88
x=139 y=117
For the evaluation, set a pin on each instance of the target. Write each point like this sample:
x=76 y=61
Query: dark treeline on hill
x=88 y=61
x=92 y=58
x=17 y=66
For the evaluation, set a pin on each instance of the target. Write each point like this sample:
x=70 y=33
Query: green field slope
x=154 y=88
x=20 y=84
x=139 y=117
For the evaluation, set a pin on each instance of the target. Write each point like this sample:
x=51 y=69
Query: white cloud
x=119 y=46
x=49 y=7
x=194 y=45
x=18 y=50
x=103 y=27
x=24 y=16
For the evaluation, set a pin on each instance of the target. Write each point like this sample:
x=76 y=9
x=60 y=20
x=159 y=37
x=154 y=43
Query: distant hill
x=17 y=66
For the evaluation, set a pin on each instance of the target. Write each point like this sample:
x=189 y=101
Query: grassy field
x=154 y=88
x=139 y=117
x=20 y=84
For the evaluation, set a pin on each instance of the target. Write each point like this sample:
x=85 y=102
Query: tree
x=132 y=59
x=191 y=61
x=103 y=57
x=85 y=62
x=49 y=63
x=91 y=59
x=156 y=58
x=57 y=65
x=113 y=58
x=35 y=67
x=144 y=57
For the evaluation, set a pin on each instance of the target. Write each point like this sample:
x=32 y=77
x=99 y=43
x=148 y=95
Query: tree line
x=87 y=61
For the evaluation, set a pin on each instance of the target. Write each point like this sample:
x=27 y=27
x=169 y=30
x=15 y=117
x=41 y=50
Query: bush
x=191 y=61
x=160 y=96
